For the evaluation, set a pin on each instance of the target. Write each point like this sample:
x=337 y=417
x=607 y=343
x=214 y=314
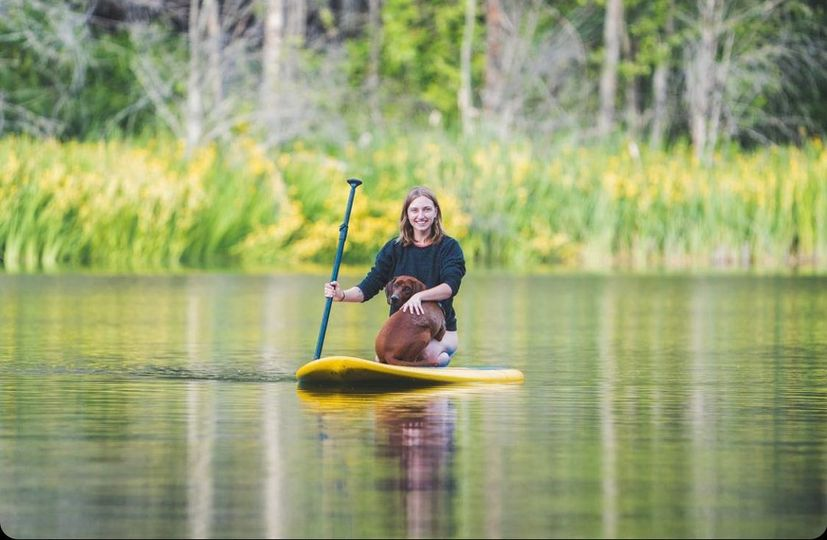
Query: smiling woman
x=424 y=251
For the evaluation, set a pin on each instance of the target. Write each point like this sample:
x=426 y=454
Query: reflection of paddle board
x=356 y=399
x=350 y=371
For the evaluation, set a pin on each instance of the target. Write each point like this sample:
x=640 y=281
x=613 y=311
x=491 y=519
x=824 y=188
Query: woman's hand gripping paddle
x=354 y=183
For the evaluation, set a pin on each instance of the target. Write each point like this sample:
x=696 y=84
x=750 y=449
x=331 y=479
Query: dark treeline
x=702 y=71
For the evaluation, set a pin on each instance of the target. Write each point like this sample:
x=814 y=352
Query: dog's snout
x=394 y=299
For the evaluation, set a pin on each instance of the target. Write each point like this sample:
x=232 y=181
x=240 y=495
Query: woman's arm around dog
x=434 y=294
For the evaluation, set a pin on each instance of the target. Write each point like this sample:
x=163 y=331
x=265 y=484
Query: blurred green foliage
x=126 y=205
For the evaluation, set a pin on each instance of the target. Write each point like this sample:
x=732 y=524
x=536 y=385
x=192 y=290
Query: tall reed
x=116 y=205
x=122 y=205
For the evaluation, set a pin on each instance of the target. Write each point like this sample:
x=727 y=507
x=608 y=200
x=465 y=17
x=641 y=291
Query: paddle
x=354 y=183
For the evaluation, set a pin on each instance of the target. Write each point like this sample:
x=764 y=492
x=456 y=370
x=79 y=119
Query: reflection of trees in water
x=421 y=436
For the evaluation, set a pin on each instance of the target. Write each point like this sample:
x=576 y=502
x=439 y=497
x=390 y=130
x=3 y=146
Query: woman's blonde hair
x=406 y=233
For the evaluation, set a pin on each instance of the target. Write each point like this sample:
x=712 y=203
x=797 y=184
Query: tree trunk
x=720 y=80
x=464 y=101
x=702 y=77
x=612 y=25
x=494 y=43
x=660 y=84
x=272 y=58
x=296 y=22
x=194 y=109
x=375 y=29
x=631 y=92
x=350 y=23
x=204 y=80
x=213 y=36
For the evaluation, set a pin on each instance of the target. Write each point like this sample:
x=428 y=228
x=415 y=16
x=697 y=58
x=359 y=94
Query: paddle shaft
x=354 y=183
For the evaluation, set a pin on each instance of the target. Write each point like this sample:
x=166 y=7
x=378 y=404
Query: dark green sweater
x=432 y=265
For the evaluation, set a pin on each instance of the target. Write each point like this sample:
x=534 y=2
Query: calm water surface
x=166 y=406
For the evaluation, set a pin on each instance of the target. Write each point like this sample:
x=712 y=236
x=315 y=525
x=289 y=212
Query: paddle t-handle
x=354 y=183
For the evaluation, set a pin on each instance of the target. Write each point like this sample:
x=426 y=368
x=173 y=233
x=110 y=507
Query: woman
x=424 y=251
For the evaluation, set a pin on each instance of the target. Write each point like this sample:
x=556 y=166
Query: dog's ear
x=417 y=286
x=389 y=289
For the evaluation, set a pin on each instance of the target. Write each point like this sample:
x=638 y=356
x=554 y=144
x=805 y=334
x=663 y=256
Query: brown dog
x=405 y=335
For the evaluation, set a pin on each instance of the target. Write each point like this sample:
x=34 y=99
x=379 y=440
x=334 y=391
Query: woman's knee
x=443 y=359
x=440 y=353
x=450 y=342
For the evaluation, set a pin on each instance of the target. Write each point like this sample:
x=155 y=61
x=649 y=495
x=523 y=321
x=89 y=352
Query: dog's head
x=400 y=289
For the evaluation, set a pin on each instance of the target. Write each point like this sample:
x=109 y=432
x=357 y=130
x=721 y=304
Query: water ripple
x=211 y=374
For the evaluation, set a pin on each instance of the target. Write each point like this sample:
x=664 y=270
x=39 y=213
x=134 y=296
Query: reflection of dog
x=405 y=335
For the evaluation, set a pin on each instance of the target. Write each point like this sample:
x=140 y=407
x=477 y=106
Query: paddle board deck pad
x=351 y=371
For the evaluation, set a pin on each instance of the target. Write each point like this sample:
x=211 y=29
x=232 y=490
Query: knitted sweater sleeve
x=379 y=274
x=452 y=268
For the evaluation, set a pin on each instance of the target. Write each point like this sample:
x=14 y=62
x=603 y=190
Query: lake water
x=653 y=406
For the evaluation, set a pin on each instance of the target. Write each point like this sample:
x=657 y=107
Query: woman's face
x=421 y=214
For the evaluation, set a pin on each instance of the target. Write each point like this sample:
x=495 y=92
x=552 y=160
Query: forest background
x=596 y=134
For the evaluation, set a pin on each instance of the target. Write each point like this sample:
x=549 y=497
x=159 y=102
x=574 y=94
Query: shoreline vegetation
x=141 y=205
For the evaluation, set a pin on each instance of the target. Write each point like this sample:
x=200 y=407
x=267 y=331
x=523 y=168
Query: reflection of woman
x=424 y=251
x=421 y=436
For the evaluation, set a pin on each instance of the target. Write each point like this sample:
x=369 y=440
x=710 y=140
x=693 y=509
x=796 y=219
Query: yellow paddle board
x=350 y=371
